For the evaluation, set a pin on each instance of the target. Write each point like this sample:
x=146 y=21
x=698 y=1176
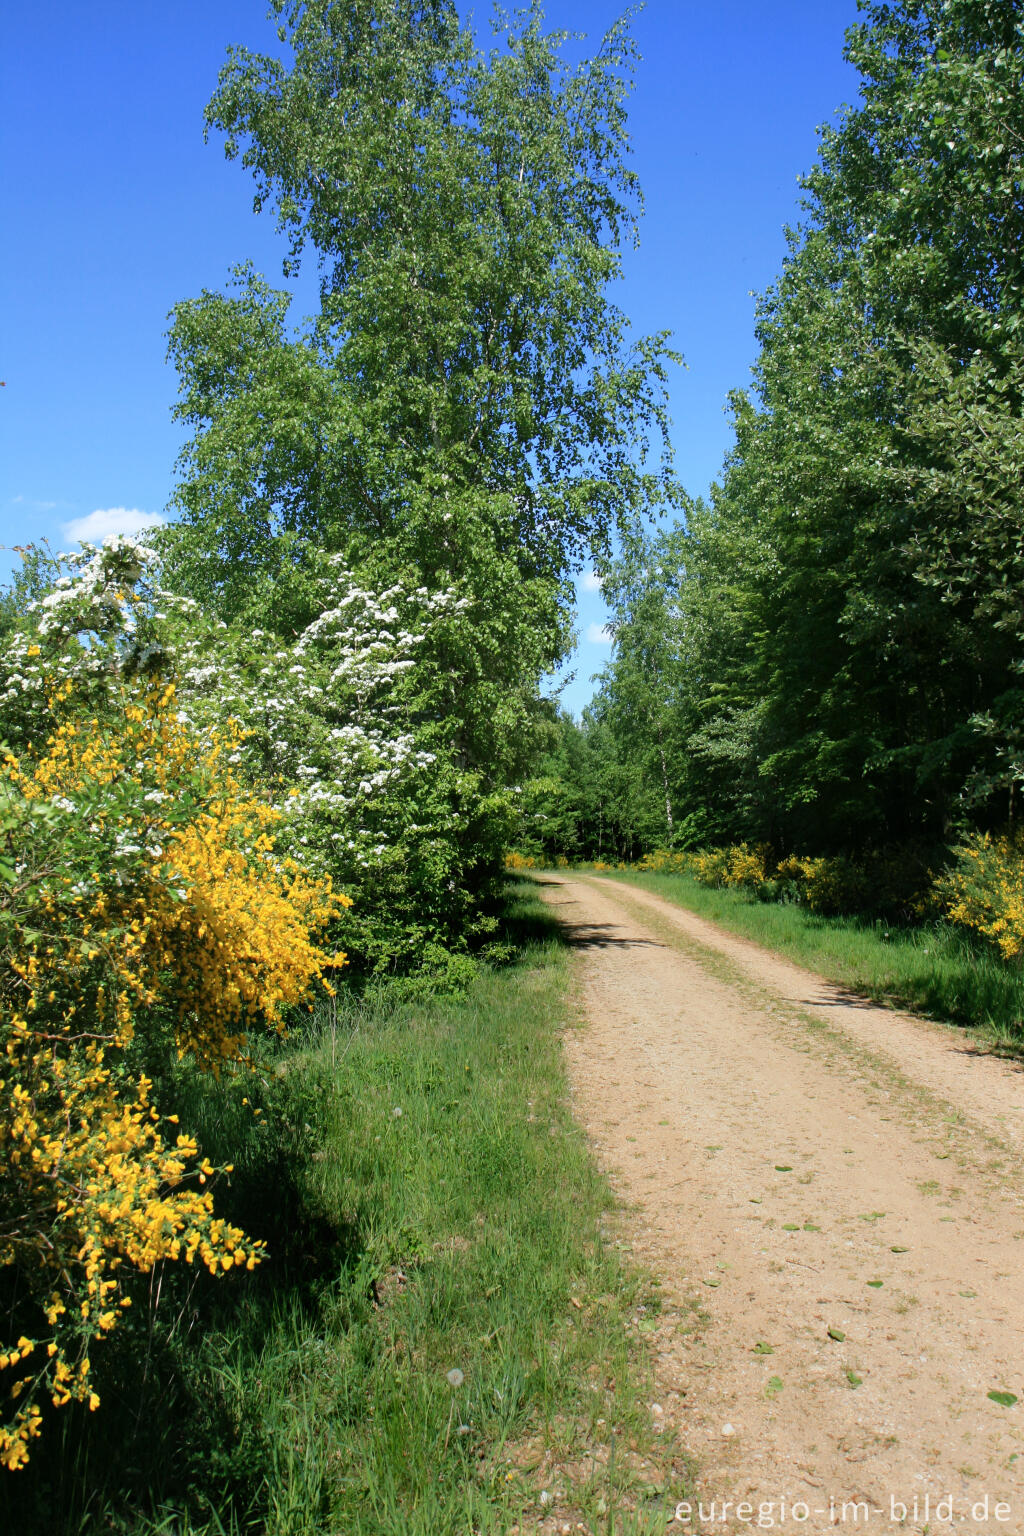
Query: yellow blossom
x=216 y=933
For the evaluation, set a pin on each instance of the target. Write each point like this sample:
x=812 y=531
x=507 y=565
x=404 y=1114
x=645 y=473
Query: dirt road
x=839 y=1188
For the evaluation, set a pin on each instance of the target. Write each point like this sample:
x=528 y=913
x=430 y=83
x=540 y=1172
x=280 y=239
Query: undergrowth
x=443 y=1329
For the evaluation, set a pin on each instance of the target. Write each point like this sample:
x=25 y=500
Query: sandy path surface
x=838 y=1188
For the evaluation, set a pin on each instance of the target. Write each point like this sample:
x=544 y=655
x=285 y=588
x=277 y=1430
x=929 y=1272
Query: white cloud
x=591 y=582
x=107 y=520
x=599 y=634
x=37 y=506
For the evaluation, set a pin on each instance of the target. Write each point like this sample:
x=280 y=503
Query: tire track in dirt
x=839 y=1188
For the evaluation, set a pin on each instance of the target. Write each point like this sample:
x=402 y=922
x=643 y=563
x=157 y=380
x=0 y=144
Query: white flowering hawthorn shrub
x=338 y=729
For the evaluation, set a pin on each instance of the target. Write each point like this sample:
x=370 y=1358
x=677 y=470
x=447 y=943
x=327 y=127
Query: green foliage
x=641 y=685
x=882 y=628
x=466 y=414
x=467 y=405
x=827 y=656
x=585 y=800
x=312 y=1395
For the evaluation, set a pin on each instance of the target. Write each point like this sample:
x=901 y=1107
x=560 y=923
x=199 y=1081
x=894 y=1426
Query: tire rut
x=841 y=1198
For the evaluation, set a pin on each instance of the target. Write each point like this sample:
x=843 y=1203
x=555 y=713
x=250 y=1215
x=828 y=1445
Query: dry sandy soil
x=839 y=1188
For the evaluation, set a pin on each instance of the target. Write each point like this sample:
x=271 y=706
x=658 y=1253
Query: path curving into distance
x=840 y=1189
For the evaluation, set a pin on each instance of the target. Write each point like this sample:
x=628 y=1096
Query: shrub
x=740 y=867
x=827 y=886
x=514 y=861
x=666 y=861
x=141 y=904
x=881 y=883
x=347 y=729
x=984 y=890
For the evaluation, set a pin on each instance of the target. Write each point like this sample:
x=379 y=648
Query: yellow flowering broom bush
x=139 y=891
x=665 y=861
x=889 y=882
x=516 y=861
x=826 y=886
x=984 y=890
x=739 y=866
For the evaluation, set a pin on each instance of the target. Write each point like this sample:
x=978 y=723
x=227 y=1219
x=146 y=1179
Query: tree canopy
x=468 y=398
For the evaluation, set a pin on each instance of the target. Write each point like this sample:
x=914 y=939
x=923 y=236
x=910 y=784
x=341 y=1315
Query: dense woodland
x=825 y=656
x=270 y=762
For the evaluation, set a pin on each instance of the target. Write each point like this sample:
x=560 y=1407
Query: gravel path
x=837 y=1189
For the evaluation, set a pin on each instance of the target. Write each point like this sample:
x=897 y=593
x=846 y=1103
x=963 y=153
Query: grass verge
x=445 y=1337
x=934 y=969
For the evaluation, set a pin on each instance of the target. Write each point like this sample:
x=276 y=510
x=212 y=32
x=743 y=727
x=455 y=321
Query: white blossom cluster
x=338 y=729
x=93 y=595
x=329 y=734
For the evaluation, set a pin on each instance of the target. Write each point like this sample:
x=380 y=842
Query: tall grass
x=443 y=1329
x=935 y=969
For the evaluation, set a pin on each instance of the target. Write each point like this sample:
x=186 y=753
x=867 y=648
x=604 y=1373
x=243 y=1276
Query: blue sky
x=116 y=209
